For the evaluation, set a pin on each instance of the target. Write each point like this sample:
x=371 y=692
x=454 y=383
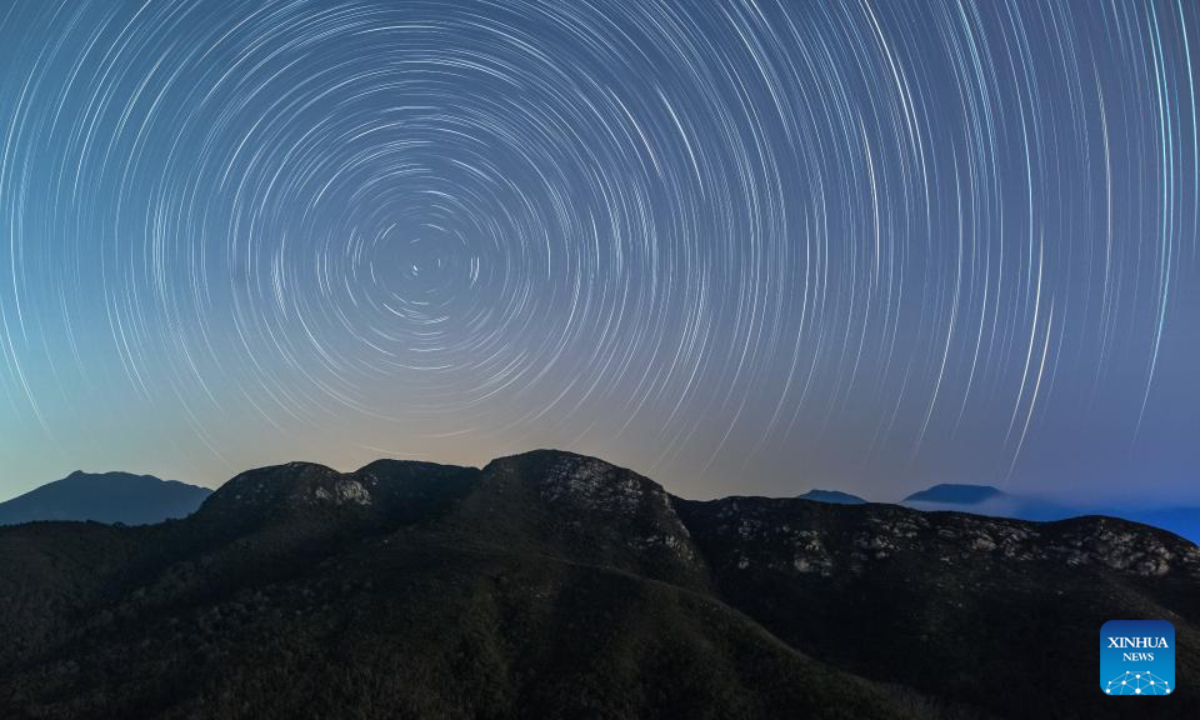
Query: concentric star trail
x=738 y=245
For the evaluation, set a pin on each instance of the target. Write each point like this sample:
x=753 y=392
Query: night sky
x=741 y=247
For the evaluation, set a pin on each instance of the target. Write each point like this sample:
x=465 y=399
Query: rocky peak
x=344 y=490
x=589 y=483
x=585 y=484
x=281 y=489
x=605 y=513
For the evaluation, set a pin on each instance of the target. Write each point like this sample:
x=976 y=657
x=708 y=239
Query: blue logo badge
x=1137 y=657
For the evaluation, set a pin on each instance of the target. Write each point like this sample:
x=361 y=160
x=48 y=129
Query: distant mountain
x=554 y=585
x=832 y=496
x=108 y=498
x=951 y=494
x=987 y=500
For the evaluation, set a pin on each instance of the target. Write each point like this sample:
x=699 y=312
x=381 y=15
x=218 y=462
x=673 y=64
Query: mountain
x=1184 y=522
x=832 y=496
x=552 y=585
x=986 y=500
x=107 y=498
x=951 y=494
x=961 y=607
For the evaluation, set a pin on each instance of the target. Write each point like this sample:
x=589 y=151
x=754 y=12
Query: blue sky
x=741 y=247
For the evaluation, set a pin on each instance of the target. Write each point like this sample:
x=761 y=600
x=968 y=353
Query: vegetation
x=550 y=586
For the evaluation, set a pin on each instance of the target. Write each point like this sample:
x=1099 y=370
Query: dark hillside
x=552 y=585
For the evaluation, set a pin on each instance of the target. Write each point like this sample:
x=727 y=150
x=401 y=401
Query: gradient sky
x=741 y=247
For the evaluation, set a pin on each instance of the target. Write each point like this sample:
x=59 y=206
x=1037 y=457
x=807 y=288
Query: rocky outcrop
x=598 y=512
x=555 y=567
x=785 y=533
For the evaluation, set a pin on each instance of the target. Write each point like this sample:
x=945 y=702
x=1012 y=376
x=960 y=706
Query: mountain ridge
x=108 y=497
x=956 y=493
x=990 y=501
x=836 y=497
x=556 y=585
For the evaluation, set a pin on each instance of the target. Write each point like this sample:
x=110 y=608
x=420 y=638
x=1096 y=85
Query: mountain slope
x=961 y=606
x=547 y=585
x=1184 y=522
x=407 y=630
x=553 y=585
x=108 y=498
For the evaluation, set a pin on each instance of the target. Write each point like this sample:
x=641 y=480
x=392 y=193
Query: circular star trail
x=734 y=244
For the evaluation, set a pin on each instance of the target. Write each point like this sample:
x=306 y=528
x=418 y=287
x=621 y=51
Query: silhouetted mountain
x=108 y=498
x=550 y=585
x=952 y=494
x=832 y=496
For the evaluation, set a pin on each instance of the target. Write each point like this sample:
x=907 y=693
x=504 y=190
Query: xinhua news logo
x=1137 y=657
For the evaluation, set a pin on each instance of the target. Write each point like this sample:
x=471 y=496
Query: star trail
x=739 y=246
